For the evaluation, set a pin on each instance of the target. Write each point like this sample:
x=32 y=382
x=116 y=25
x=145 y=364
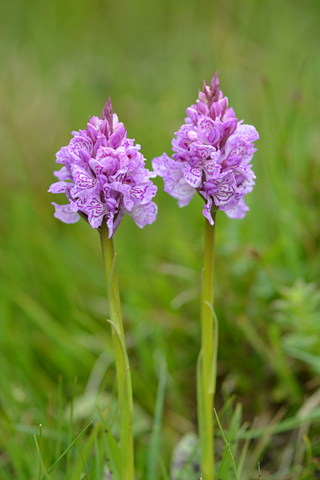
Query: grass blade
x=200 y=407
x=60 y=417
x=227 y=444
x=156 y=429
x=67 y=449
x=84 y=463
x=269 y=431
x=40 y=449
x=71 y=422
x=232 y=434
x=163 y=469
x=46 y=475
x=112 y=449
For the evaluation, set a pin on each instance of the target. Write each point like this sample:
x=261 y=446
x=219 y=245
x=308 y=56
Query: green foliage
x=298 y=313
x=59 y=62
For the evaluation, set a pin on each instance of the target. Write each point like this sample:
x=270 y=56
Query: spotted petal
x=223 y=191
x=207 y=208
x=211 y=167
x=95 y=210
x=192 y=175
x=80 y=143
x=84 y=183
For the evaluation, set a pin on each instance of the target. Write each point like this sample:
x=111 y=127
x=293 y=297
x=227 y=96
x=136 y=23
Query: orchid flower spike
x=212 y=156
x=104 y=176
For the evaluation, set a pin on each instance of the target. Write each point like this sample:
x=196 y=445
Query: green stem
x=123 y=372
x=208 y=355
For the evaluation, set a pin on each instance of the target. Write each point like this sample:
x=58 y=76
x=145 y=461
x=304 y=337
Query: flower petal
x=144 y=214
x=64 y=213
x=60 y=187
x=95 y=210
x=193 y=175
x=239 y=211
x=84 y=183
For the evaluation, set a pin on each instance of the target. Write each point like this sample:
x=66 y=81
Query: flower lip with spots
x=104 y=176
x=212 y=156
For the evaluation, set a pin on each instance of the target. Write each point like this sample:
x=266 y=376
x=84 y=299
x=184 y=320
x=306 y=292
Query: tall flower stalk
x=212 y=156
x=208 y=356
x=104 y=177
x=122 y=363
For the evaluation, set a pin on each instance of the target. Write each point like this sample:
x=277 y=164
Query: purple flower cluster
x=104 y=176
x=213 y=152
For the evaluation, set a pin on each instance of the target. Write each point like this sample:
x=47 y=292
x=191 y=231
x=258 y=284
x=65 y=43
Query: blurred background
x=60 y=60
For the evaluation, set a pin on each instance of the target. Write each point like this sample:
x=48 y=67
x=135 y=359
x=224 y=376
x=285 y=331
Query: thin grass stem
x=156 y=429
x=40 y=449
x=46 y=473
x=60 y=416
x=84 y=463
x=227 y=445
x=70 y=432
x=165 y=475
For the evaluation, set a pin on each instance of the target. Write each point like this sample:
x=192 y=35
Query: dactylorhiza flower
x=213 y=154
x=104 y=176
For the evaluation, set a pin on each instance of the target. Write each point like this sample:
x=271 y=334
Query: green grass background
x=60 y=60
